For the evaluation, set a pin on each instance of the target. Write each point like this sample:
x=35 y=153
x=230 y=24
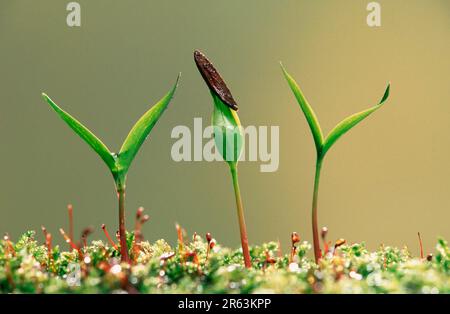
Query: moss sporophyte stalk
x=118 y=163
x=324 y=144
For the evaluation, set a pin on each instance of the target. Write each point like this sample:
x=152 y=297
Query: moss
x=159 y=268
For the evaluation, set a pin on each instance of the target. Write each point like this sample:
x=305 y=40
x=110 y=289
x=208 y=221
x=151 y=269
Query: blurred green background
x=384 y=181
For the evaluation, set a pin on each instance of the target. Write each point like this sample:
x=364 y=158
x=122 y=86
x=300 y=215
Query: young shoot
x=119 y=163
x=228 y=135
x=323 y=144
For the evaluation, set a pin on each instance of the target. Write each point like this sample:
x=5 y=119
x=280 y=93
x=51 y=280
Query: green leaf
x=93 y=141
x=310 y=116
x=348 y=123
x=141 y=130
x=228 y=135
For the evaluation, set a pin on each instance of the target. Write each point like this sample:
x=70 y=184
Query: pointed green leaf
x=310 y=116
x=93 y=141
x=228 y=135
x=348 y=123
x=141 y=130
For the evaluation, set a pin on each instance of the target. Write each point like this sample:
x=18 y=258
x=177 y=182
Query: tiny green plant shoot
x=324 y=144
x=119 y=163
x=227 y=135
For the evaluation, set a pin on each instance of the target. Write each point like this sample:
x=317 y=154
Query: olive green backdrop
x=385 y=180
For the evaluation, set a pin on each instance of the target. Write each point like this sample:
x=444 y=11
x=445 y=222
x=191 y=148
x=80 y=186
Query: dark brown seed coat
x=213 y=79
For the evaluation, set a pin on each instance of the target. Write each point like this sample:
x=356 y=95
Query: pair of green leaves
x=118 y=163
x=324 y=144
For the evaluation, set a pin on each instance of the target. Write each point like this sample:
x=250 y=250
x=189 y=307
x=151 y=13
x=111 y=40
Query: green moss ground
x=26 y=267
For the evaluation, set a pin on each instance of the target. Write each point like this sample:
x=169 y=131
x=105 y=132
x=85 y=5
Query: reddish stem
x=315 y=228
x=421 y=245
x=180 y=236
x=86 y=232
x=44 y=231
x=279 y=252
x=122 y=230
x=295 y=238
x=323 y=234
x=208 y=239
x=137 y=223
x=113 y=244
x=70 y=242
x=241 y=218
x=48 y=243
x=338 y=244
x=9 y=246
x=70 y=212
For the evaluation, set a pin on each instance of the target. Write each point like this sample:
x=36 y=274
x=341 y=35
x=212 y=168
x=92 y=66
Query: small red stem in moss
x=139 y=213
x=323 y=235
x=44 y=231
x=194 y=256
x=338 y=243
x=211 y=245
x=48 y=243
x=279 y=252
x=208 y=248
x=8 y=271
x=137 y=233
x=138 y=237
x=295 y=238
x=180 y=242
x=211 y=242
x=113 y=244
x=70 y=242
x=270 y=259
x=70 y=212
x=84 y=234
x=144 y=219
x=137 y=224
x=180 y=236
x=420 y=245
x=9 y=246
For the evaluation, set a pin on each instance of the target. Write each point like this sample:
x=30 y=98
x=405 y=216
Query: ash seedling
x=323 y=144
x=118 y=163
x=228 y=135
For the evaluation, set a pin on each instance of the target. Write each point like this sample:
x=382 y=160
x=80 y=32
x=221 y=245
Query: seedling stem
x=122 y=229
x=315 y=224
x=240 y=212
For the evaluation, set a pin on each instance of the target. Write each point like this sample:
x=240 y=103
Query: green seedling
x=119 y=163
x=324 y=144
x=228 y=135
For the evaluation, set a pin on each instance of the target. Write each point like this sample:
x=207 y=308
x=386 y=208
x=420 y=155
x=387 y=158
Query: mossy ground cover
x=26 y=266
